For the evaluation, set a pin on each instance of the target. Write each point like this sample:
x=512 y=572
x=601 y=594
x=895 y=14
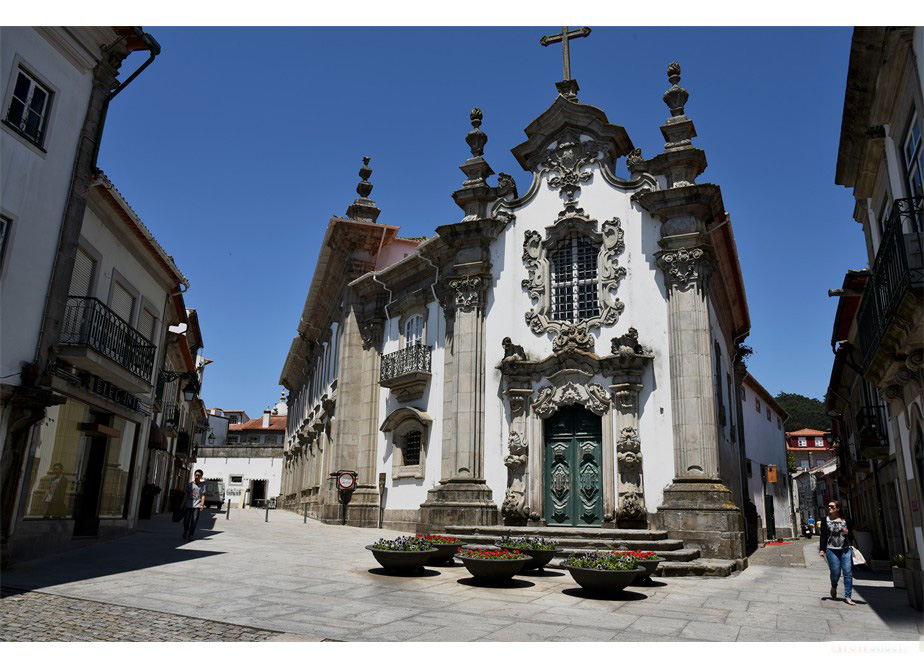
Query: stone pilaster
x=462 y=497
x=363 y=509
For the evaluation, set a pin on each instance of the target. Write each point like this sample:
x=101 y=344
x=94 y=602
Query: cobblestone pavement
x=35 y=617
x=311 y=581
x=791 y=555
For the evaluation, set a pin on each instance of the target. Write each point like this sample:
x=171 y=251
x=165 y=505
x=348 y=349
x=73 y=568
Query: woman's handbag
x=858 y=559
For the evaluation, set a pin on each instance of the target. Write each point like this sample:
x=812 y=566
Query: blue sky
x=237 y=145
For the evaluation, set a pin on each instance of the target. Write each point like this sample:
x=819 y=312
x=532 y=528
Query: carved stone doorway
x=573 y=475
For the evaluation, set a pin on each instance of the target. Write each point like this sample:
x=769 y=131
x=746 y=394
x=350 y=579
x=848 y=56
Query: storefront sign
x=104 y=388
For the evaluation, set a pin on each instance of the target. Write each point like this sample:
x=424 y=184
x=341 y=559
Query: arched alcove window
x=409 y=428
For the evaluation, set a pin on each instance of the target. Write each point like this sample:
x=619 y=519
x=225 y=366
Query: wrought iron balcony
x=897 y=277
x=171 y=422
x=88 y=322
x=872 y=438
x=406 y=372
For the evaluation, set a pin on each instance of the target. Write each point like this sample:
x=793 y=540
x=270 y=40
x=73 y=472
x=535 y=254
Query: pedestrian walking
x=834 y=545
x=193 y=503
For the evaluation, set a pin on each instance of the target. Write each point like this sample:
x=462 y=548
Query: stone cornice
x=702 y=201
x=577 y=362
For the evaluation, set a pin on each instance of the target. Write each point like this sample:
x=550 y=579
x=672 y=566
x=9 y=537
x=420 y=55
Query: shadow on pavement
x=601 y=595
x=503 y=584
x=422 y=573
x=649 y=583
x=156 y=542
x=541 y=573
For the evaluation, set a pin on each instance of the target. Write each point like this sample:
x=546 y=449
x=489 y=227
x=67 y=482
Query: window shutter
x=146 y=324
x=83 y=274
x=122 y=302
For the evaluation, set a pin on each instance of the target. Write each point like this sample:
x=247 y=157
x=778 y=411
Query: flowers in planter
x=638 y=555
x=602 y=561
x=151 y=488
x=403 y=544
x=898 y=560
x=482 y=553
x=439 y=540
x=528 y=543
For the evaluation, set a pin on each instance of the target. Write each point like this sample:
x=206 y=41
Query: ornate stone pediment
x=538 y=284
x=628 y=357
x=592 y=396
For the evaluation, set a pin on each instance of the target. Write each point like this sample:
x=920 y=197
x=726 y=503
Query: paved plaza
x=247 y=579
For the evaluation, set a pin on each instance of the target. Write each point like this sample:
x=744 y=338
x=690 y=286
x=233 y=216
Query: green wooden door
x=573 y=480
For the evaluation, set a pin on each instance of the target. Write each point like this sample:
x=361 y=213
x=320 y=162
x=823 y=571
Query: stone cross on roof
x=565 y=49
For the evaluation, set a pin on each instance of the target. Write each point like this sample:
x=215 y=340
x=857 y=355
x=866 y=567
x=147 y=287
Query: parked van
x=214 y=493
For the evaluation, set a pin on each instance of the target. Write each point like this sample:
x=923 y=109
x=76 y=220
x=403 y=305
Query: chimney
x=266 y=418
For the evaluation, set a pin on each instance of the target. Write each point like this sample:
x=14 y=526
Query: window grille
x=28 y=108
x=574 y=279
x=412 y=449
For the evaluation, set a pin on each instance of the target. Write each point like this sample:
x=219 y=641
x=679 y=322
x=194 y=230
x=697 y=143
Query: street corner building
x=93 y=435
x=567 y=357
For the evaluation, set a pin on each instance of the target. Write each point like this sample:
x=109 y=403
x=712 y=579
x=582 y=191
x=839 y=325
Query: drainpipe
x=154 y=51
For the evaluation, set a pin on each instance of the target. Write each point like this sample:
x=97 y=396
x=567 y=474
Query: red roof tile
x=277 y=423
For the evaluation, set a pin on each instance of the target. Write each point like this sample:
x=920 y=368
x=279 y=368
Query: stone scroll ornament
x=466 y=292
x=592 y=397
x=629 y=457
x=568 y=161
x=685 y=267
x=514 y=506
x=570 y=336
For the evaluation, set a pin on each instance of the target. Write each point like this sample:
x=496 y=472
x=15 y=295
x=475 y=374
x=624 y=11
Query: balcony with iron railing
x=872 y=437
x=171 y=423
x=895 y=284
x=406 y=372
x=93 y=337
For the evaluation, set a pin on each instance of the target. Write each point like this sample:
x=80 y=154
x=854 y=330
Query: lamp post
x=211 y=438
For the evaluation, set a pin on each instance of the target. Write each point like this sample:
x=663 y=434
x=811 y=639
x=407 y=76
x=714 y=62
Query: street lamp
x=211 y=438
x=192 y=386
x=189 y=392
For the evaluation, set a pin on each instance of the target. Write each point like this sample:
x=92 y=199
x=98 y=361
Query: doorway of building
x=89 y=483
x=573 y=480
x=771 y=518
x=257 y=493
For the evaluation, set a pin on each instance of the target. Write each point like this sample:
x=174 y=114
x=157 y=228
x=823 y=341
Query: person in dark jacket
x=834 y=545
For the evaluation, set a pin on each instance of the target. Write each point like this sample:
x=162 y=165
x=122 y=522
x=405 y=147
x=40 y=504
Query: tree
x=804 y=412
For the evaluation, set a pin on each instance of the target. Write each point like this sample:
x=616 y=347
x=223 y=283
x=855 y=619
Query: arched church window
x=413 y=330
x=575 y=295
x=412 y=448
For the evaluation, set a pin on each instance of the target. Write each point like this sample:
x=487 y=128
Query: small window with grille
x=574 y=279
x=412 y=448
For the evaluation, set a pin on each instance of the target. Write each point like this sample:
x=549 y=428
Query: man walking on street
x=193 y=502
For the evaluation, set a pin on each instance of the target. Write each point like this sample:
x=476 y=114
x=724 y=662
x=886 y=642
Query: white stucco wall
x=643 y=294
x=765 y=444
x=33 y=188
x=409 y=493
x=252 y=468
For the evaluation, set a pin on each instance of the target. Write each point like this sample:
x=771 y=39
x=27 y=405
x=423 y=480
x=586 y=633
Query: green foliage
x=804 y=412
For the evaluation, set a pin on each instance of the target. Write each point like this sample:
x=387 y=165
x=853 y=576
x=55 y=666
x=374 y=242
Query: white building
x=766 y=468
x=565 y=357
x=249 y=459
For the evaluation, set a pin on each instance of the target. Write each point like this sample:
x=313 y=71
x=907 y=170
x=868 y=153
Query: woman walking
x=834 y=545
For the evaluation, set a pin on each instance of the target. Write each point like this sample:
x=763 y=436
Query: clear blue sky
x=237 y=145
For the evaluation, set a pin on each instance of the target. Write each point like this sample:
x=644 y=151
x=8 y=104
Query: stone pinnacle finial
x=476 y=138
x=364 y=208
x=675 y=97
x=364 y=188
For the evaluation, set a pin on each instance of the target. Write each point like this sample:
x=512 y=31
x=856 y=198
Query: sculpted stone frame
x=400 y=423
x=609 y=274
x=568 y=389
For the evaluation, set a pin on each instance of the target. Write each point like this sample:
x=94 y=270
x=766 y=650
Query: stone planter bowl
x=444 y=553
x=494 y=569
x=393 y=560
x=537 y=558
x=650 y=566
x=591 y=578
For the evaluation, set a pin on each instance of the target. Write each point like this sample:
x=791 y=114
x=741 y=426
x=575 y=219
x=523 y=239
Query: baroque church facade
x=567 y=357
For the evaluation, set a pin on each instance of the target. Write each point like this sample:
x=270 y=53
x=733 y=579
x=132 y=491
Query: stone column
x=698 y=507
x=364 y=503
x=462 y=497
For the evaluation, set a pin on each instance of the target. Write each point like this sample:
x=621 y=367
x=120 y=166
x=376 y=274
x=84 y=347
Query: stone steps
x=679 y=560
